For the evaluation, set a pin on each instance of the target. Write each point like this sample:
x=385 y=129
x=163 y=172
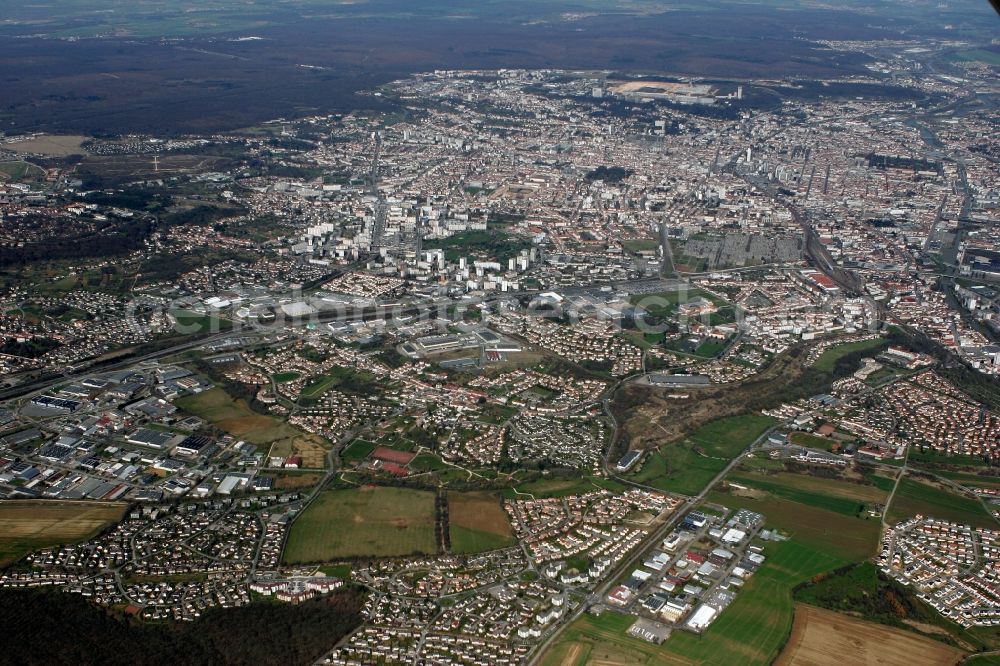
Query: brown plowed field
x=826 y=638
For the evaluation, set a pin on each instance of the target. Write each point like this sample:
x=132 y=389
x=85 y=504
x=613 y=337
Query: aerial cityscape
x=539 y=333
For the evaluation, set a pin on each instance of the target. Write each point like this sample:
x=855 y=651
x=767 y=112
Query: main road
x=630 y=561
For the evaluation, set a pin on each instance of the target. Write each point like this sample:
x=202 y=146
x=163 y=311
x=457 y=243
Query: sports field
x=360 y=522
x=826 y=638
x=356 y=451
x=477 y=522
x=27 y=525
x=235 y=417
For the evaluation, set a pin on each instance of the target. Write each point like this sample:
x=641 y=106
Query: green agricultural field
x=363 y=522
x=842 y=497
x=828 y=359
x=969 y=480
x=28 y=525
x=600 y=640
x=677 y=468
x=915 y=497
x=847 y=538
x=235 y=417
x=477 y=522
x=466 y=541
x=755 y=626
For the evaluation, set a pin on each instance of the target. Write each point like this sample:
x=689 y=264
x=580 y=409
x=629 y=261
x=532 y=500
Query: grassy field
x=843 y=497
x=57 y=145
x=665 y=303
x=356 y=451
x=235 y=417
x=826 y=638
x=828 y=359
x=641 y=244
x=363 y=522
x=930 y=459
x=677 y=468
x=28 y=525
x=847 y=538
x=336 y=377
x=727 y=437
x=19 y=170
x=811 y=441
x=189 y=323
x=477 y=522
x=915 y=497
x=427 y=462
x=688 y=466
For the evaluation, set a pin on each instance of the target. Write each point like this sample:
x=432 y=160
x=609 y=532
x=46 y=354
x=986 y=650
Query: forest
x=58 y=628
